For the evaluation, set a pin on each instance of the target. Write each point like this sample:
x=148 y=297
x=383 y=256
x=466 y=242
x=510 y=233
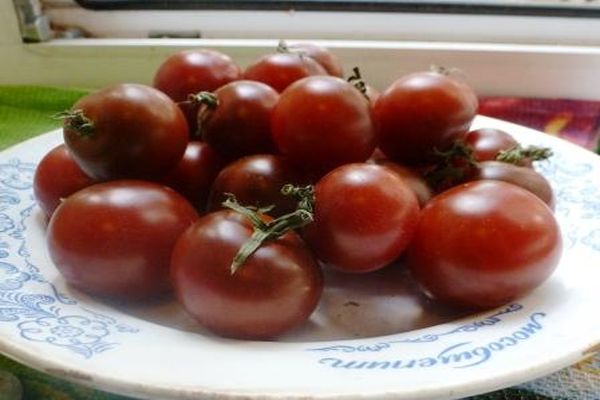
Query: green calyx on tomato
x=271 y=230
x=77 y=121
x=518 y=154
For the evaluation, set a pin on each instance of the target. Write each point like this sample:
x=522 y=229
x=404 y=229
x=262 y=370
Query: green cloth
x=26 y=111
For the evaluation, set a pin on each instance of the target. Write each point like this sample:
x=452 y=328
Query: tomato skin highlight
x=57 y=176
x=420 y=113
x=280 y=70
x=115 y=239
x=322 y=55
x=138 y=133
x=323 y=122
x=483 y=244
x=274 y=291
x=365 y=216
x=191 y=71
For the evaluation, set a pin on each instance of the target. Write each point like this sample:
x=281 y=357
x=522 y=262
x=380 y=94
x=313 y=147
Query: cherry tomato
x=256 y=181
x=195 y=173
x=125 y=131
x=115 y=239
x=241 y=123
x=322 y=122
x=274 y=291
x=57 y=177
x=280 y=70
x=413 y=179
x=525 y=177
x=322 y=55
x=192 y=71
x=421 y=113
x=483 y=244
x=488 y=142
x=365 y=216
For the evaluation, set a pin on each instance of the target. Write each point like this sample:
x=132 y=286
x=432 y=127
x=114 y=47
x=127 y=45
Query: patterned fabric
x=25 y=111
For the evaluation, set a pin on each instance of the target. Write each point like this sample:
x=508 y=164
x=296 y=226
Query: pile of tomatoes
x=234 y=188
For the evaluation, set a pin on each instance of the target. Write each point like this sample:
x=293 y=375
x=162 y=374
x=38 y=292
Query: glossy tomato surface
x=137 y=132
x=323 y=122
x=241 y=123
x=191 y=71
x=483 y=244
x=274 y=291
x=115 y=239
x=280 y=70
x=488 y=142
x=420 y=113
x=256 y=181
x=57 y=176
x=365 y=216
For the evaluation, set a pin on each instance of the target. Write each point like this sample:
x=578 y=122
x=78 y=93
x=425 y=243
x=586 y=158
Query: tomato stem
x=266 y=231
x=357 y=81
x=207 y=102
x=452 y=167
x=518 y=154
x=77 y=121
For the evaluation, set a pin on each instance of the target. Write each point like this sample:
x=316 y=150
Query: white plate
x=362 y=342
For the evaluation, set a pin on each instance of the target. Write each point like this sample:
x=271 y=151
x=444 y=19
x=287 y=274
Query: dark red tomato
x=322 y=55
x=115 y=239
x=126 y=131
x=525 y=177
x=192 y=71
x=413 y=179
x=280 y=70
x=488 y=142
x=322 y=122
x=483 y=244
x=256 y=181
x=241 y=123
x=365 y=216
x=421 y=113
x=195 y=173
x=274 y=291
x=57 y=177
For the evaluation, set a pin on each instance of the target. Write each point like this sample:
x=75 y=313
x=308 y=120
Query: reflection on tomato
x=115 y=239
x=483 y=244
x=365 y=216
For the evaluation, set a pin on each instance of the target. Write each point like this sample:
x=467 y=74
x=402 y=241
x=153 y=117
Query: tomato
x=195 y=173
x=420 y=113
x=115 y=239
x=280 y=70
x=56 y=177
x=322 y=122
x=417 y=183
x=192 y=71
x=486 y=143
x=322 y=55
x=364 y=218
x=483 y=244
x=241 y=123
x=125 y=131
x=274 y=291
x=256 y=181
x=527 y=178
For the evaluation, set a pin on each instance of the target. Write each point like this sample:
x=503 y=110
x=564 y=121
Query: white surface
x=155 y=351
